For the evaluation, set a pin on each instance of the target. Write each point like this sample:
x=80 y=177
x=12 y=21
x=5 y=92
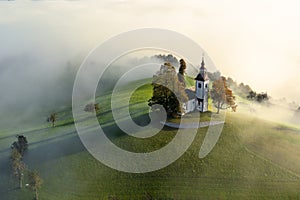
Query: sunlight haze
x=255 y=42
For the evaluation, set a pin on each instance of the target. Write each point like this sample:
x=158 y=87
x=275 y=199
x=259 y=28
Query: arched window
x=199 y=85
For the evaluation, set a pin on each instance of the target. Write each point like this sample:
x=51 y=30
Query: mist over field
x=271 y=111
x=44 y=43
x=31 y=86
x=34 y=84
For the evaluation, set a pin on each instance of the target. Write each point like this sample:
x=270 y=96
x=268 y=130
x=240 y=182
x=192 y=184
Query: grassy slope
x=241 y=166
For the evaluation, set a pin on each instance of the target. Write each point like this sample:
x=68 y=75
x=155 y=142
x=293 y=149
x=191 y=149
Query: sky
x=256 y=42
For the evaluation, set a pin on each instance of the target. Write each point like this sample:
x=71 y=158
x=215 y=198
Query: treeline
x=167 y=59
x=261 y=97
x=20 y=170
x=241 y=89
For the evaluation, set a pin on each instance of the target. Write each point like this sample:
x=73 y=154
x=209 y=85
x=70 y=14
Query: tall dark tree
x=165 y=89
x=181 y=72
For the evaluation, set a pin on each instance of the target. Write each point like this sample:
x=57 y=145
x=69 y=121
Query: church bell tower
x=202 y=88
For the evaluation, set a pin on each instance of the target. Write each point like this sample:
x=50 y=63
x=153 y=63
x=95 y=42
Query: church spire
x=202 y=63
x=202 y=76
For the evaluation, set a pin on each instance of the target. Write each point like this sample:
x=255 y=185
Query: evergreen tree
x=181 y=72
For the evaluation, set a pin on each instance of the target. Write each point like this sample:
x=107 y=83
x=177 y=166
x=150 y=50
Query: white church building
x=198 y=96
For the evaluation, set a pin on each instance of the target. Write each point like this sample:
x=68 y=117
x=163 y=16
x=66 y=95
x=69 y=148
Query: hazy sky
x=255 y=42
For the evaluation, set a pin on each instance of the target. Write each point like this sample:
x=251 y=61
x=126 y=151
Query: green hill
x=253 y=159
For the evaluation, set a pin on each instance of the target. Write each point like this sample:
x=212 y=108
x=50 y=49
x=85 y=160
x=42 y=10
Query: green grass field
x=254 y=159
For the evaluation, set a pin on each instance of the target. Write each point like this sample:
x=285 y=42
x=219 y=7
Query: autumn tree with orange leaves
x=222 y=95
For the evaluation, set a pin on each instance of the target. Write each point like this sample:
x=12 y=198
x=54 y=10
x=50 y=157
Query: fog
x=275 y=110
x=43 y=43
x=34 y=84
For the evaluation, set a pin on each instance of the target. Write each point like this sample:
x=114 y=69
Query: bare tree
x=52 y=119
x=35 y=182
x=91 y=107
x=18 y=166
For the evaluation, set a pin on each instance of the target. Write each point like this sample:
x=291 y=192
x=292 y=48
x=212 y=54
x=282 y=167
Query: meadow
x=253 y=159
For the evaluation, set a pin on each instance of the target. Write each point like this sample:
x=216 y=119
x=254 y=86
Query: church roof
x=202 y=76
x=190 y=93
x=199 y=77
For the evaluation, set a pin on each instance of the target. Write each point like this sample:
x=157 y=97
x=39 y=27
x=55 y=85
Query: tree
x=35 y=182
x=262 y=97
x=230 y=99
x=52 y=119
x=92 y=107
x=252 y=95
x=166 y=89
x=214 y=76
x=221 y=95
x=21 y=145
x=181 y=72
x=18 y=166
x=167 y=59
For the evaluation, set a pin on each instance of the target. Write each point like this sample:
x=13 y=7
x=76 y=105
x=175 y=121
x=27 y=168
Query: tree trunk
x=36 y=195
x=21 y=181
x=218 y=107
x=52 y=123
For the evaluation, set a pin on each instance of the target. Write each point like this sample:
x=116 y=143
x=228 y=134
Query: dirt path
x=193 y=125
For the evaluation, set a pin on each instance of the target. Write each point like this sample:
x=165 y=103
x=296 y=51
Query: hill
x=254 y=159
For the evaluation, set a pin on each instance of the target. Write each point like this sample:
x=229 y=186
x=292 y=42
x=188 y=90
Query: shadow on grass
x=70 y=143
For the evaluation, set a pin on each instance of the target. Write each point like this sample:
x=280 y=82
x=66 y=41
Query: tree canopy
x=261 y=97
x=181 y=72
x=168 y=90
x=221 y=95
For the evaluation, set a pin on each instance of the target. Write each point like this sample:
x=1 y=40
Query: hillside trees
x=260 y=97
x=167 y=59
x=166 y=89
x=240 y=89
x=222 y=95
x=214 y=75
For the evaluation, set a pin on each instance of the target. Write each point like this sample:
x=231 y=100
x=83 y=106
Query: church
x=198 y=96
